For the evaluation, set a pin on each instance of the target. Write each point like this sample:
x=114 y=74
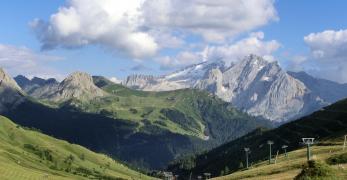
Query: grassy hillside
x=181 y=111
x=289 y=167
x=28 y=154
x=329 y=122
x=146 y=129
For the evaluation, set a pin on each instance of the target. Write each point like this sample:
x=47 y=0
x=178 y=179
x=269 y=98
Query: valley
x=173 y=90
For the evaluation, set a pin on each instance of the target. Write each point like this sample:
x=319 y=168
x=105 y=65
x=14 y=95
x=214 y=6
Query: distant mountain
x=254 y=85
x=10 y=93
x=78 y=85
x=27 y=153
x=184 y=78
x=148 y=129
x=36 y=86
x=30 y=85
x=328 y=91
x=330 y=122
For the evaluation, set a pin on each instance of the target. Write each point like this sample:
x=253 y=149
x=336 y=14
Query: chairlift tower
x=207 y=175
x=270 y=143
x=247 y=151
x=308 y=142
x=284 y=147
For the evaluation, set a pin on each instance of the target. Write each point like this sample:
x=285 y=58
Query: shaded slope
x=329 y=122
x=27 y=154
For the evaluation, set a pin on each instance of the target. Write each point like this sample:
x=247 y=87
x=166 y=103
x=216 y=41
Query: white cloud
x=115 y=80
x=139 y=28
x=213 y=20
x=21 y=60
x=328 y=54
x=328 y=44
x=254 y=44
x=114 y=25
x=180 y=60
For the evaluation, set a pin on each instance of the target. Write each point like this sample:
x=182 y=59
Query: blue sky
x=141 y=49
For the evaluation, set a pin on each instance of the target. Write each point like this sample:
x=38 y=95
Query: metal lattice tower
x=308 y=142
x=284 y=147
x=207 y=175
x=270 y=143
x=247 y=151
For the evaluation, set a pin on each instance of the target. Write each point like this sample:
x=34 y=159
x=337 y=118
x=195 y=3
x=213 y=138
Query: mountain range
x=145 y=129
x=254 y=85
x=186 y=112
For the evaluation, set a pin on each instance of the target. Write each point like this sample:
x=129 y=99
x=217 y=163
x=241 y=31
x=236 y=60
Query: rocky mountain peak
x=78 y=85
x=7 y=81
x=78 y=80
x=10 y=93
x=255 y=85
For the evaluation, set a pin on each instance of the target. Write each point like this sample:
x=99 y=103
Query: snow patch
x=265 y=78
x=254 y=97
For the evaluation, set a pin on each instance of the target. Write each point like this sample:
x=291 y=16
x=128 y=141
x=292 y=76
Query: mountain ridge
x=146 y=129
x=253 y=84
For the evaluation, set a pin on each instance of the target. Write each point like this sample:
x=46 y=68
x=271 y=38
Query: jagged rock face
x=185 y=78
x=254 y=85
x=36 y=85
x=10 y=93
x=325 y=89
x=263 y=89
x=77 y=86
x=212 y=82
x=139 y=81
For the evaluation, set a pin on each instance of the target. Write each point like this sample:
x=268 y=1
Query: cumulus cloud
x=21 y=60
x=180 y=60
x=213 y=20
x=112 y=24
x=328 y=44
x=139 y=28
x=254 y=44
x=329 y=54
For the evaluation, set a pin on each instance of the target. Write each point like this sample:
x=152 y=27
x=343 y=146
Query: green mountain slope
x=28 y=154
x=329 y=122
x=187 y=112
x=146 y=129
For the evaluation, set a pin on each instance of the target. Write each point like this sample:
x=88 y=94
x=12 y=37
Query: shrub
x=316 y=170
x=83 y=170
x=337 y=159
x=82 y=157
x=132 y=110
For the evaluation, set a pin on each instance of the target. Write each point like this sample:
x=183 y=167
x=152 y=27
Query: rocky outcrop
x=11 y=94
x=78 y=85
